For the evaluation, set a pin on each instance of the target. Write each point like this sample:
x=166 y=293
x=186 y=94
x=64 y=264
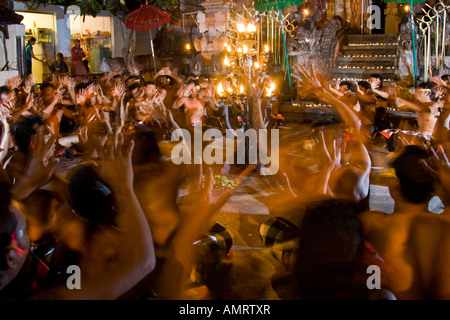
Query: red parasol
x=147 y=18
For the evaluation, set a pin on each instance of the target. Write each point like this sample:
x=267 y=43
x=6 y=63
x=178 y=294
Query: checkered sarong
x=209 y=252
x=279 y=235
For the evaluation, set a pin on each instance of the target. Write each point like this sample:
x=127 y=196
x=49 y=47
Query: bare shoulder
x=373 y=219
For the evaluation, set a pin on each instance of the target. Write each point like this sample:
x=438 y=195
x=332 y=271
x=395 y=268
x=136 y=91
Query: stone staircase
x=364 y=54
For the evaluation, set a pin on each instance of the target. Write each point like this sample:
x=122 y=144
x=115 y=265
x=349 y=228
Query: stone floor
x=253 y=273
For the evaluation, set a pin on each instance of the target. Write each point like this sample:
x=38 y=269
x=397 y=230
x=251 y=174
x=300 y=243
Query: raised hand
x=119 y=91
x=438 y=165
x=307 y=79
x=14 y=83
x=82 y=96
x=40 y=167
x=29 y=83
x=116 y=167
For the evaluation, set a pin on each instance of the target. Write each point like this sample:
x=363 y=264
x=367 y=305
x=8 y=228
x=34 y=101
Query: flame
x=229 y=49
x=270 y=89
x=241 y=89
x=188 y=46
x=220 y=89
x=251 y=27
x=256 y=65
x=241 y=27
x=266 y=48
x=239 y=50
x=244 y=48
x=226 y=61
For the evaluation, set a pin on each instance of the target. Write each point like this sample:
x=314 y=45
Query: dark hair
x=428 y=85
x=134 y=86
x=23 y=129
x=445 y=77
x=146 y=149
x=365 y=84
x=31 y=40
x=330 y=251
x=89 y=196
x=8 y=224
x=59 y=54
x=81 y=85
x=46 y=85
x=417 y=185
x=4 y=89
x=349 y=85
x=377 y=76
x=194 y=81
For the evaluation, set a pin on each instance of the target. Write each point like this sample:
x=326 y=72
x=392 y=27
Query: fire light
x=270 y=89
x=251 y=27
x=220 y=89
x=241 y=27
x=226 y=61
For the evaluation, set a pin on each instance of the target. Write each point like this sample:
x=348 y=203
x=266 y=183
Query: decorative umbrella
x=279 y=5
x=147 y=18
x=411 y=3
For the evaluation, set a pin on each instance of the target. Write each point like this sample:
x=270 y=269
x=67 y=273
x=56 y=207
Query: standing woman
x=77 y=59
x=29 y=54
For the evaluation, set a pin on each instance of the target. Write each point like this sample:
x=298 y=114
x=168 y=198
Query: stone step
x=364 y=64
x=364 y=38
x=369 y=50
x=360 y=72
x=365 y=58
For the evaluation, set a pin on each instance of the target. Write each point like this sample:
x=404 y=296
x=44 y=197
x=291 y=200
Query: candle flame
x=241 y=27
x=266 y=48
x=241 y=89
x=256 y=65
x=270 y=89
x=226 y=61
x=244 y=48
x=251 y=27
x=220 y=89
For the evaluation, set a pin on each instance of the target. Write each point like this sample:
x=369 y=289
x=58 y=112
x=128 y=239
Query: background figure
x=59 y=65
x=78 y=67
x=29 y=55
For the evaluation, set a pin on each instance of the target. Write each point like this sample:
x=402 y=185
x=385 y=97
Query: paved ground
x=253 y=274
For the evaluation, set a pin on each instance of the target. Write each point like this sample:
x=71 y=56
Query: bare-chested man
x=151 y=107
x=409 y=239
x=426 y=108
x=194 y=107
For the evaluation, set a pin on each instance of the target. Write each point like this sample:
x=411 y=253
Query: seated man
x=408 y=257
x=59 y=65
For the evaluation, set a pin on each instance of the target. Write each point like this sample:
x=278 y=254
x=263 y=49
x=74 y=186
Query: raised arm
x=311 y=83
